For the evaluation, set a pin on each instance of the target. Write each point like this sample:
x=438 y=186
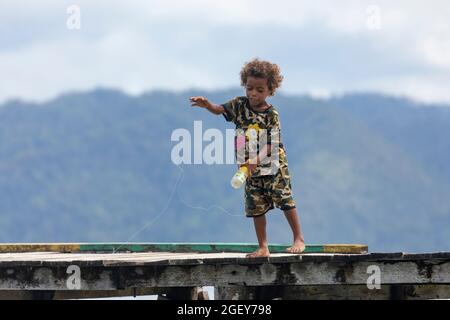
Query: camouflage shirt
x=239 y=112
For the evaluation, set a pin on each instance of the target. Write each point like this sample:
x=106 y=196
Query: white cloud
x=124 y=59
x=436 y=50
x=324 y=46
x=425 y=88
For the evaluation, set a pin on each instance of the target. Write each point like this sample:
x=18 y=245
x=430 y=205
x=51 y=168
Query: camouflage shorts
x=261 y=193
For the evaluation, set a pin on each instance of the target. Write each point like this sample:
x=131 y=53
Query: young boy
x=263 y=187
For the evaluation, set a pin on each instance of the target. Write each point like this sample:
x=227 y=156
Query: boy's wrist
x=214 y=108
x=209 y=105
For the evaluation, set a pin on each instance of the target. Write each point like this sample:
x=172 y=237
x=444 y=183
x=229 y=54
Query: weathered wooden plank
x=90 y=257
x=344 y=248
x=173 y=247
x=334 y=292
x=148 y=258
x=78 y=294
x=121 y=259
x=26 y=295
x=185 y=293
x=54 y=277
x=39 y=247
x=300 y=273
x=320 y=292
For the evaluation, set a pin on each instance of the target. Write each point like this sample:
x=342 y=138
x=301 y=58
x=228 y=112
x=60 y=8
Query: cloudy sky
x=323 y=47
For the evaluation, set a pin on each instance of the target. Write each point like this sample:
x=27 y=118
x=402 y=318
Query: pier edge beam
x=333 y=292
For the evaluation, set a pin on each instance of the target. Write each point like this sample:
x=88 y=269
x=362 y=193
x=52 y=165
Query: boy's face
x=257 y=91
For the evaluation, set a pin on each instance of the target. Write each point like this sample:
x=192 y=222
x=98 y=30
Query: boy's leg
x=294 y=222
x=260 y=227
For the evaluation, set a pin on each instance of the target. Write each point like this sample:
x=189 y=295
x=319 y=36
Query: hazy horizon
x=235 y=89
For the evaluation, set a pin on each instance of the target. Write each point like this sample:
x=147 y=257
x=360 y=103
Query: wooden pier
x=179 y=271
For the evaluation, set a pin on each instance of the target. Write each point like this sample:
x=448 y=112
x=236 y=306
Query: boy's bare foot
x=297 y=247
x=261 y=252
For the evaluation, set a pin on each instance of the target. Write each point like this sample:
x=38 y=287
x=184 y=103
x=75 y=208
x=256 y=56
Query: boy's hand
x=200 y=102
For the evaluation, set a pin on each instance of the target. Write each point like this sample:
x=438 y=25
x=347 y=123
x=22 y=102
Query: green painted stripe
x=173 y=247
x=216 y=247
x=189 y=247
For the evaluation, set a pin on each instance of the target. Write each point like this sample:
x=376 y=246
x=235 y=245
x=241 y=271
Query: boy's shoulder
x=241 y=99
x=244 y=100
x=273 y=110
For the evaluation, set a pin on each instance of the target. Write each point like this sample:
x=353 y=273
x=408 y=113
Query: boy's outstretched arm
x=202 y=102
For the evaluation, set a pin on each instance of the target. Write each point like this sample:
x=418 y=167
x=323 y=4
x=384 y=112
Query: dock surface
x=41 y=271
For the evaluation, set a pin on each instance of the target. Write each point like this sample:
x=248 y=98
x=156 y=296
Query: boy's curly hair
x=262 y=69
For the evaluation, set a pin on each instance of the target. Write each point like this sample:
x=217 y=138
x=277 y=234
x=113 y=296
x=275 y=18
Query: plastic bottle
x=239 y=177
